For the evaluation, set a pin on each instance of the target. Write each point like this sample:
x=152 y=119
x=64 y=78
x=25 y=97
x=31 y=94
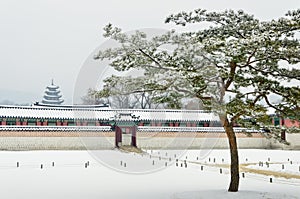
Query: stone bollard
x=282 y=166
x=221 y=171
x=52 y=164
x=18 y=164
x=41 y=166
x=121 y=163
x=271 y=180
x=222 y=159
x=243 y=175
x=201 y=168
x=214 y=160
x=197 y=158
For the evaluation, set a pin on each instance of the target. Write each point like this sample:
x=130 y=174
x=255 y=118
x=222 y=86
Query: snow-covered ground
x=156 y=175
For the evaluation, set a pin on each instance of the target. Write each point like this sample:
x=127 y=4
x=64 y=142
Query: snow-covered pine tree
x=235 y=67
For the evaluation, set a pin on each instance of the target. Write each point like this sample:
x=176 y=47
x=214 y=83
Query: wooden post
x=118 y=136
x=133 y=136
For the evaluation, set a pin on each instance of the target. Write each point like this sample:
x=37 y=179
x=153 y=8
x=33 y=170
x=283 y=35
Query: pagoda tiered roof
x=52 y=95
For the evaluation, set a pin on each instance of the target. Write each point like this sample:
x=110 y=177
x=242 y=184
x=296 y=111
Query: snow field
x=106 y=175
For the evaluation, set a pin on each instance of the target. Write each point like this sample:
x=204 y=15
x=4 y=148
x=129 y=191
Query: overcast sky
x=45 y=39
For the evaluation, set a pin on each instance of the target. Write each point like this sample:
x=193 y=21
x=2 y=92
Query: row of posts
x=86 y=164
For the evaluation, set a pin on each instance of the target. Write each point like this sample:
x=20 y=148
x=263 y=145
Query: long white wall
x=92 y=143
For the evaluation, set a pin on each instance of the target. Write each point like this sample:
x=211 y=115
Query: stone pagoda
x=52 y=95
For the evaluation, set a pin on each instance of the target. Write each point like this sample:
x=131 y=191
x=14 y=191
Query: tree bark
x=234 y=167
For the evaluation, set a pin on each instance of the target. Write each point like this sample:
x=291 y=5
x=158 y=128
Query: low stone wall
x=27 y=140
x=292 y=138
x=172 y=140
x=149 y=140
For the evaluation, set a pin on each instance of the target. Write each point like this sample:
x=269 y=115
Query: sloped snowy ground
x=113 y=175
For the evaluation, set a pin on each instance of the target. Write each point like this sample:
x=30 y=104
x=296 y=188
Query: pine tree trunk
x=234 y=167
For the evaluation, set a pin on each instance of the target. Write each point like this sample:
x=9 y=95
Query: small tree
x=235 y=67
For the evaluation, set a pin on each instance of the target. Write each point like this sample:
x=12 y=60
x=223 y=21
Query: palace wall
x=148 y=140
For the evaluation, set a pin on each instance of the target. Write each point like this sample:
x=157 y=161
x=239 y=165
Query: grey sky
x=44 y=39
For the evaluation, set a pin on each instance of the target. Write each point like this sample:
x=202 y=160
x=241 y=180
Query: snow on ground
x=113 y=175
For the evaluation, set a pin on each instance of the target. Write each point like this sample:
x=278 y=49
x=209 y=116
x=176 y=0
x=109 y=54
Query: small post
x=166 y=163
x=269 y=159
x=153 y=162
x=174 y=155
x=124 y=164
x=180 y=164
x=197 y=158
x=208 y=159
x=18 y=164
x=176 y=164
x=159 y=158
x=185 y=157
x=222 y=159
x=271 y=180
x=243 y=175
x=246 y=159
x=185 y=165
x=170 y=159
x=166 y=154
x=201 y=168
x=88 y=163
x=220 y=170
x=121 y=163
x=291 y=162
x=282 y=166
x=52 y=164
x=41 y=166
x=214 y=160
x=85 y=165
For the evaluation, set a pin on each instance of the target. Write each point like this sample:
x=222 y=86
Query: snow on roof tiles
x=105 y=114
